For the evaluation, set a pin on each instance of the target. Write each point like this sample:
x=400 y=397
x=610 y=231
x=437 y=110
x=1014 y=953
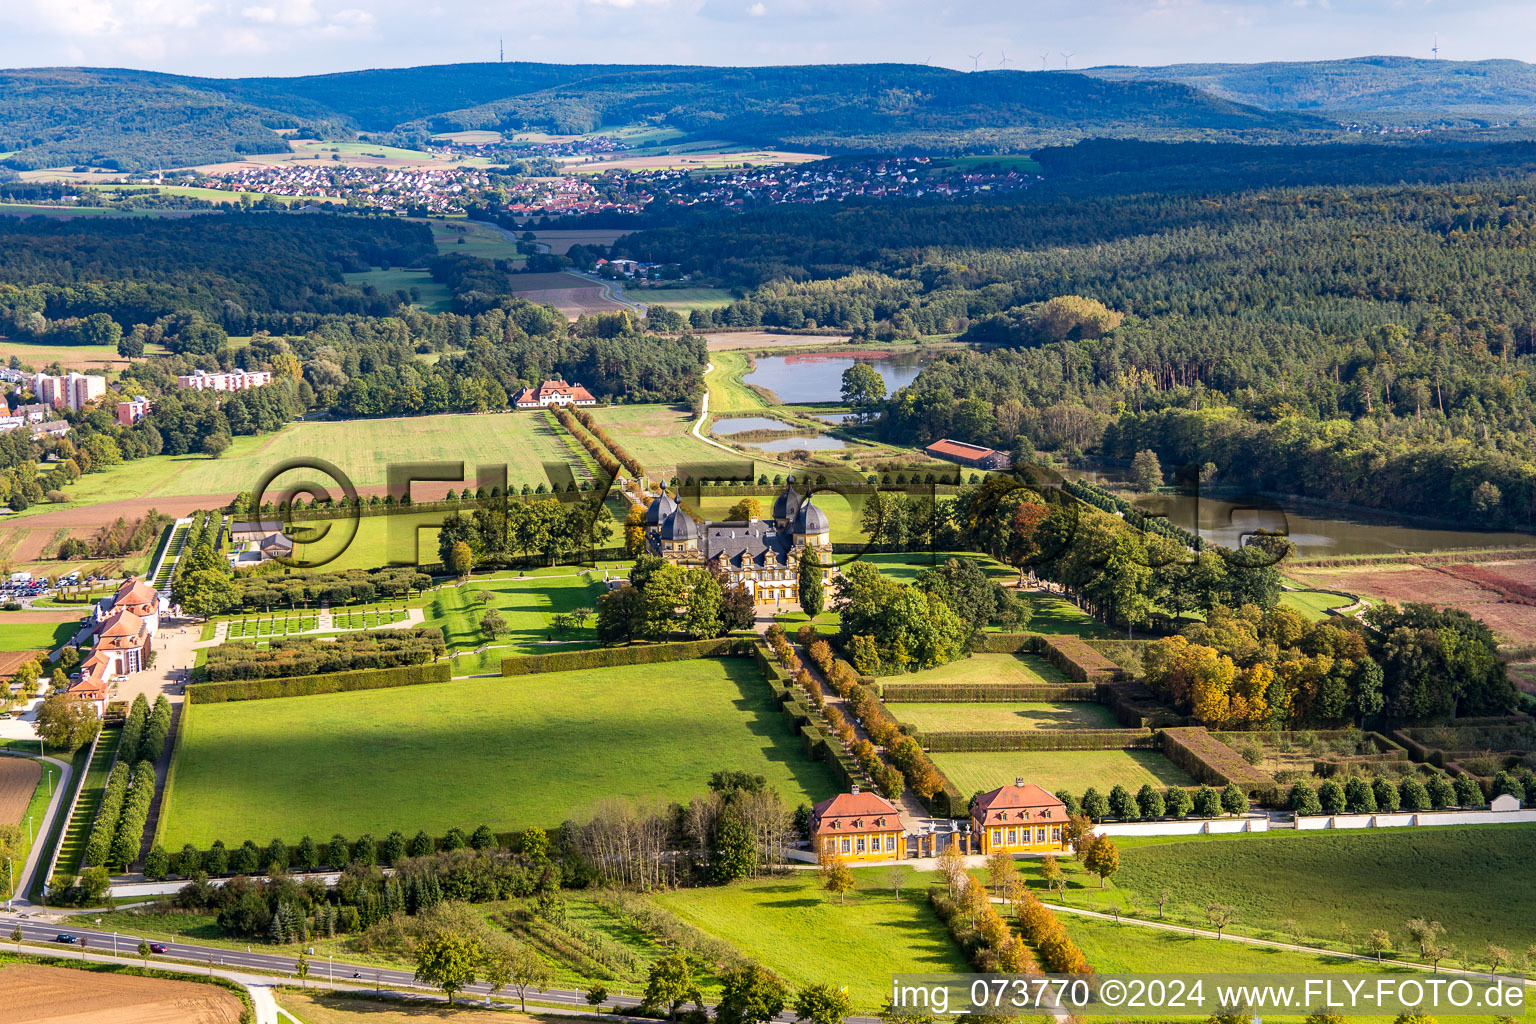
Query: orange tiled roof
x=856 y=812
x=1018 y=803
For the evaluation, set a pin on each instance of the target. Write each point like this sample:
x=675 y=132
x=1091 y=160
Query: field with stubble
x=34 y=994
x=18 y=780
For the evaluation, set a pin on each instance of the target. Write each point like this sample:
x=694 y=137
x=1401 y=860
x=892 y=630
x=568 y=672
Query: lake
x=818 y=376
x=810 y=442
x=742 y=424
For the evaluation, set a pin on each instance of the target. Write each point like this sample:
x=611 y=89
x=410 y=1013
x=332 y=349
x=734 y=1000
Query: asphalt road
x=39 y=932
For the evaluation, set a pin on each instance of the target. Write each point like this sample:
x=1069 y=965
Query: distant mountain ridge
x=1381 y=89
x=135 y=120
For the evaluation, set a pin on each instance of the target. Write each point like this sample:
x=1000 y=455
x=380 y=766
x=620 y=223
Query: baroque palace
x=762 y=554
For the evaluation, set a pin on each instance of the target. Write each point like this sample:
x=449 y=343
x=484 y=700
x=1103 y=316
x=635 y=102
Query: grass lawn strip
x=1026 y=715
x=804 y=934
x=1052 y=770
x=510 y=753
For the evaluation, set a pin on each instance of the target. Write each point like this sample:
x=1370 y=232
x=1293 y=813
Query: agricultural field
x=806 y=936
x=684 y=299
x=658 y=435
x=37 y=636
x=36 y=994
x=843 y=511
x=363 y=449
x=1495 y=592
x=102 y=359
x=727 y=393
x=313 y=1006
x=213 y=195
x=427 y=294
x=707 y=156
x=507 y=752
x=727 y=341
x=560 y=242
x=463 y=237
x=1073 y=770
x=1314 y=882
x=19 y=777
x=1025 y=715
x=570 y=294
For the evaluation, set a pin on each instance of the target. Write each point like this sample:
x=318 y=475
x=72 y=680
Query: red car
x=157 y=947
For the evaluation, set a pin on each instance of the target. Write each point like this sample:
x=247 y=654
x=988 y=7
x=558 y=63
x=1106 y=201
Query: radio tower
x=501 y=52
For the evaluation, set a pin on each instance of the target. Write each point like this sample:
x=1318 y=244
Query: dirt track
x=18 y=778
x=33 y=994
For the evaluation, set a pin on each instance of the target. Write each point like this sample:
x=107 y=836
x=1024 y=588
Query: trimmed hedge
x=99 y=845
x=981 y=693
x=1008 y=643
x=294 y=656
x=1135 y=707
x=1039 y=739
x=608 y=657
x=304 y=686
x=1080 y=662
x=1212 y=762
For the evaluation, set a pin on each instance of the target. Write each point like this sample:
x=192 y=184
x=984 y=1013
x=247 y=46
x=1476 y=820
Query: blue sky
x=287 y=37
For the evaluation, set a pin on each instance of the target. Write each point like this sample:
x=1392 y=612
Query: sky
x=294 y=37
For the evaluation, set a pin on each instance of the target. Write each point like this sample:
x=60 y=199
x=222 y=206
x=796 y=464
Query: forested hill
x=1380 y=90
x=134 y=120
x=878 y=107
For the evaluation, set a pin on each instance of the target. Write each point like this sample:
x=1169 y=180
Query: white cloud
x=757 y=10
x=289 y=13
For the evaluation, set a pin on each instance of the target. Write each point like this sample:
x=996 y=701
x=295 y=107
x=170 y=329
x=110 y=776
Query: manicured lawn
x=1133 y=949
x=1024 y=715
x=1013 y=669
x=1467 y=878
x=1057 y=615
x=526 y=604
x=658 y=435
x=803 y=934
x=36 y=636
x=508 y=752
x=1314 y=604
x=1074 y=770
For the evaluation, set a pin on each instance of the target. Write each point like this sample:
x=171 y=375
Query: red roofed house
x=857 y=826
x=93 y=684
x=553 y=392
x=1019 y=819
x=969 y=454
x=136 y=596
x=124 y=639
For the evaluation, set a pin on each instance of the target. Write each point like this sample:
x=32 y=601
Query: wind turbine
x=1043 y=58
x=1006 y=60
x=1436 y=48
x=1066 y=59
x=975 y=60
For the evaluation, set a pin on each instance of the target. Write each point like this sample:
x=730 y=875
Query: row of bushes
x=130 y=829
x=1148 y=804
x=1039 y=739
x=608 y=657
x=605 y=462
x=145 y=731
x=981 y=932
x=904 y=752
x=626 y=460
x=1006 y=643
x=1211 y=761
x=305 y=656
x=847 y=760
x=308 y=854
x=99 y=846
x=1356 y=796
x=1057 y=952
x=304 y=686
x=981 y=693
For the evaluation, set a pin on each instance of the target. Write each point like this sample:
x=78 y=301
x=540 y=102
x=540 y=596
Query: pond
x=818 y=376
x=742 y=424
x=810 y=442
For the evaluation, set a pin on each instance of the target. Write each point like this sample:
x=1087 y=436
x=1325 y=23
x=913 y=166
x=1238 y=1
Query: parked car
x=65 y=938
